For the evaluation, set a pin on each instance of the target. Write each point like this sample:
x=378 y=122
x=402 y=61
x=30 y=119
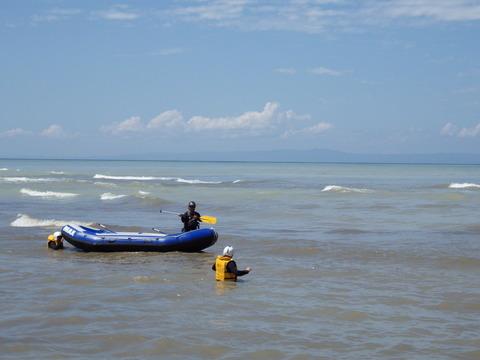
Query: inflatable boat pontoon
x=92 y=239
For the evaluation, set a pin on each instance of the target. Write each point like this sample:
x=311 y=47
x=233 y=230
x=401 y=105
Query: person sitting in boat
x=190 y=218
x=226 y=268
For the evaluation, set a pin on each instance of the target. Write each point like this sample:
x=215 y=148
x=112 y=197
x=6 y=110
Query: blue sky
x=109 y=78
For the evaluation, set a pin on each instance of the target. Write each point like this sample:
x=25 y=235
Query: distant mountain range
x=287 y=155
x=314 y=155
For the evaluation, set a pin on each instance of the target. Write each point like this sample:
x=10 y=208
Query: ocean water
x=349 y=262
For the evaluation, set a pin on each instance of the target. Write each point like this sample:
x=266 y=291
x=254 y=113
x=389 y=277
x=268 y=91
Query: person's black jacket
x=232 y=268
x=191 y=220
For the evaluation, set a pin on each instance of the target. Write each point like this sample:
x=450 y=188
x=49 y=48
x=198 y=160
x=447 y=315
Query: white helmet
x=57 y=234
x=228 y=251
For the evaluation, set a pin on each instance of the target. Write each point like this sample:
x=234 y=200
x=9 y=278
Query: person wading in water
x=225 y=267
x=190 y=218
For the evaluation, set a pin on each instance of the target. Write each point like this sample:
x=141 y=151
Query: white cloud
x=216 y=10
x=161 y=52
x=316 y=129
x=252 y=120
x=440 y=10
x=13 y=133
x=466 y=90
x=317 y=16
x=292 y=115
x=309 y=16
x=119 y=13
x=170 y=51
x=53 y=131
x=304 y=15
x=132 y=124
x=56 y=14
x=450 y=129
x=285 y=71
x=470 y=132
x=167 y=120
x=268 y=121
x=323 y=71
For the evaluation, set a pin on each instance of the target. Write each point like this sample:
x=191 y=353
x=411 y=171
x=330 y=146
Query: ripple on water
x=265 y=354
x=144 y=279
x=292 y=251
x=337 y=313
x=458 y=262
x=398 y=349
x=80 y=281
x=353 y=315
x=106 y=344
x=62 y=321
x=166 y=347
x=470 y=355
x=397 y=301
x=349 y=231
x=458 y=306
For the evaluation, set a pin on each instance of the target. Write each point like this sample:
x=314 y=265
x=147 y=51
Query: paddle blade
x=209 y=219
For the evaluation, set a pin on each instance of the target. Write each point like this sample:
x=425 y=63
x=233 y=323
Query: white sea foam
x=344 y=189
x=151 y=178
x=143 y=193
x=13 y=179
x=464 y=186
x=236 y=181
x=3 y=169
x=196 y=181
x=105 y=184
x=57 y=172
x=47 y=194
x=110 y=196
x=24 y=220
x=136 y=178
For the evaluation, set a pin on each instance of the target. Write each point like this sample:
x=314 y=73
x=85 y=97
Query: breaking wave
x=196 y=181
x=344 y=189
x=104 y=184
x=148 y=199
x=110 y=196
x=3 y=169
x=136 y=178
x=13 y=179
x=47 y=194
x=464 y=186
x=57 y=172
x=24 y=220
x=152 y=178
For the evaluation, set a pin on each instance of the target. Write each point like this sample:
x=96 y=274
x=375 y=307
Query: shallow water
x=349 y=262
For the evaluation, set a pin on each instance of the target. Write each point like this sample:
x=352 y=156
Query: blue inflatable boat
x=92 y=239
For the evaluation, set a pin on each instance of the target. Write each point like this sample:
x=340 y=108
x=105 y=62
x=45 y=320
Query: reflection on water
x=222 y=287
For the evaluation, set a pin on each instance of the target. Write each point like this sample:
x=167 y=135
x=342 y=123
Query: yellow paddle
x=206 y=219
